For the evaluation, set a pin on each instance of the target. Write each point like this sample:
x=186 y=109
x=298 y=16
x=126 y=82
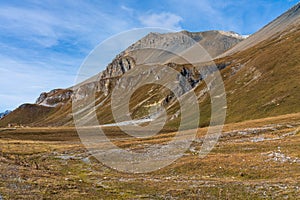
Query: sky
x=44 y=43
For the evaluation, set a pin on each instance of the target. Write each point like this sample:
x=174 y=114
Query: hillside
x=262 y=81
x=260 y=75
x=145 y=51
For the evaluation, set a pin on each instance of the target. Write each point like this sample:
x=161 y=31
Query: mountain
x=156 y=48
x=260 y=75
x=55 y=108
x=4 y=113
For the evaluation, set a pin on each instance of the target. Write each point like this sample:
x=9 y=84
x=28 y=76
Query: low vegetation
x=257 y=159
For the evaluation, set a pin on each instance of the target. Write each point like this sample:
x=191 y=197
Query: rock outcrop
x=54 y=97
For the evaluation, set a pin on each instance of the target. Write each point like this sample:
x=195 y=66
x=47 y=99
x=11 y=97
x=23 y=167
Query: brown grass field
x=257 y=159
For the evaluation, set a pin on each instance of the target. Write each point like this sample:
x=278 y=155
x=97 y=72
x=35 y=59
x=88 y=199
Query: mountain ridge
x=254 y=70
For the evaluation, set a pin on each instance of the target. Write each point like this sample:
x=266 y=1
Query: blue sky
x=43 y=43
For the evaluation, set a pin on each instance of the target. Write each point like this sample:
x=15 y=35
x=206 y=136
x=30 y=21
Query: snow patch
x=48 y=105
x=281 y=157
x=233 y=34
x=127 y=123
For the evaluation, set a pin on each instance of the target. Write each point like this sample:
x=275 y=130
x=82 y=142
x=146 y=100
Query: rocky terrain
x=156 y=48
x=54 y=98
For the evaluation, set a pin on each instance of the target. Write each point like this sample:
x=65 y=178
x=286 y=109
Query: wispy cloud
x=47 y=26
x=22 y=82
x=36 y=26
x=163 y=20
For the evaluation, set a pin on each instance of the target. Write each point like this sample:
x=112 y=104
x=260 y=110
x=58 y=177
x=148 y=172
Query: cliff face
x=54 y=98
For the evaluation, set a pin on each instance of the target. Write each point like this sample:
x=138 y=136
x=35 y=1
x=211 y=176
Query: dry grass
x=50 y=163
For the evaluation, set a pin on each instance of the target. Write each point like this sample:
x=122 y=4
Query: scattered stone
x=282 y=158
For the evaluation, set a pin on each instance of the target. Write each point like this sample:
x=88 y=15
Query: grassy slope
x=266 y=84
x=276 y=90
x=27 y=114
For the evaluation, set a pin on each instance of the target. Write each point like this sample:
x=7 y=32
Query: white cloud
x=163 y=20
x=48 y=26
x=127 y=9
x=23 y=81
x=35 y=25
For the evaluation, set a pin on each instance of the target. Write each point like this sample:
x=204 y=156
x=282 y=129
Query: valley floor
x=258 y=159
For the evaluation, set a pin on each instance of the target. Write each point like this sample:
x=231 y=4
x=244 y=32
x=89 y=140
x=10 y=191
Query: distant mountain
x=4 y=113
x=260 y=73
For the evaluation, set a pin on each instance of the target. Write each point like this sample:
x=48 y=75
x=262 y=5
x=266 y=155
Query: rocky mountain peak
x=233 y=34
x=182 y=40
x=157 y=48
x=54 y=97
